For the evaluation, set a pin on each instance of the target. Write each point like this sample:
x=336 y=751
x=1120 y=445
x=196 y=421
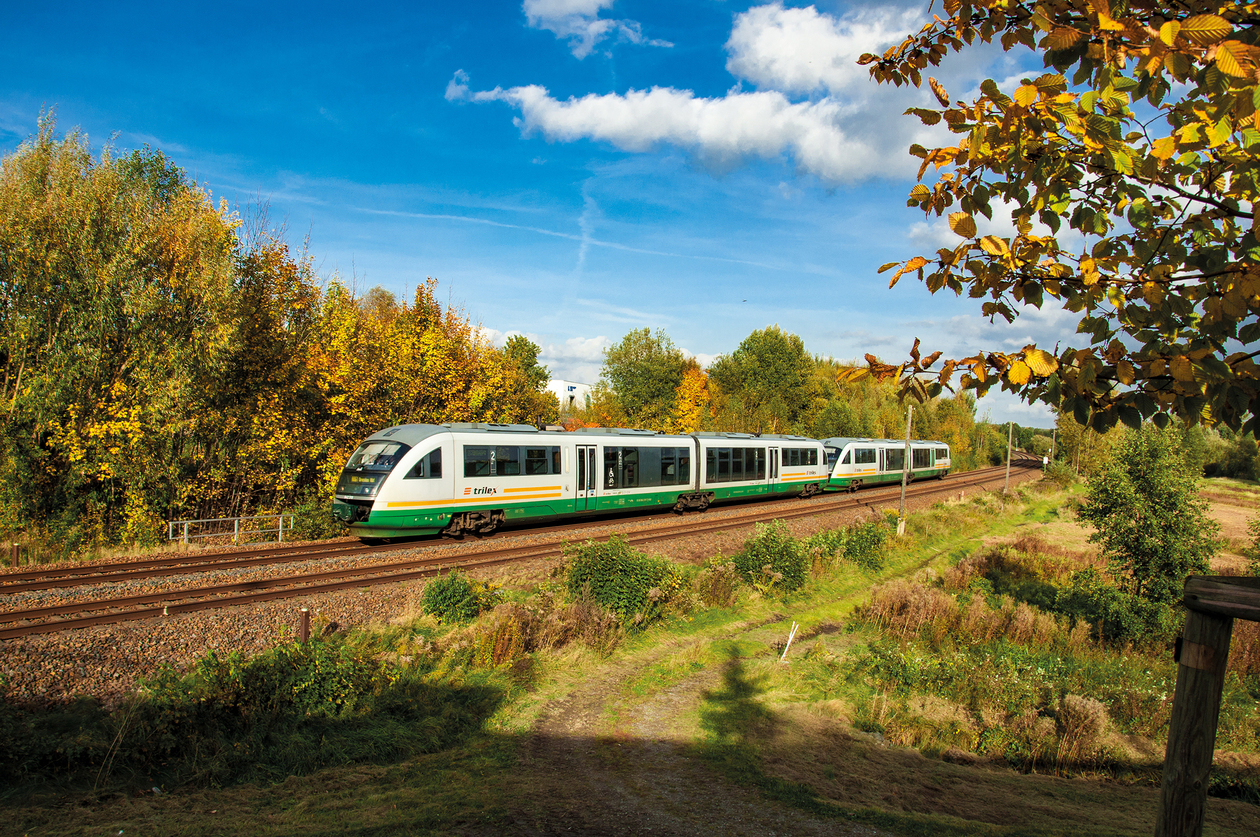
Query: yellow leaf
x=1063 y=38
x=1236 y=59
x=1125 y=373
x=1182 y=369
x=963 y=224
x=1164 y=147
x=994 y=246
x=939 y=91
x=1042 y=363
x=1018 y=373
x=1169 y=31
x=1205 y=29
x=1025 y=95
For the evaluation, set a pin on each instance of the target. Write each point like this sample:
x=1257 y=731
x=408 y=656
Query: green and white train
x=418 y=479
x=858 y=462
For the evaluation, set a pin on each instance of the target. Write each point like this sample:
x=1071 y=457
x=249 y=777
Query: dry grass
x=909 y=610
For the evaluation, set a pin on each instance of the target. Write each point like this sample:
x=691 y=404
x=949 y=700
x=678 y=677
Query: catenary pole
x=1010 y=432
x=905 y=474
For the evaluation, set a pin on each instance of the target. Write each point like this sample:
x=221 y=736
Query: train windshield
x=377 y=456
x=368 y=468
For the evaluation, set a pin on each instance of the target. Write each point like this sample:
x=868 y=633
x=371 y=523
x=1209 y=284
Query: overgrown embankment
x=938 y=683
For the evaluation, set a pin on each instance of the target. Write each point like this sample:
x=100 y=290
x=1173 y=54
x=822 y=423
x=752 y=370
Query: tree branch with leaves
x=1141 y=137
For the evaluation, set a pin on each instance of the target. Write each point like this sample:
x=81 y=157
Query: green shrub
x=772 y=557
x=313 y=519
x=631 y=584
x=864 y=545
x=1117 y=616
x=455 y=597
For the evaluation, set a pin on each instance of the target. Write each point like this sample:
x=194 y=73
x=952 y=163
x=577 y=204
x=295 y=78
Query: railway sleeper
x=476 y=522
x=696 y=501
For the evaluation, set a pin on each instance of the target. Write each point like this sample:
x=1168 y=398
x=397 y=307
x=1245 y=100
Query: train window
x=650 y=465
x=684 y=466
x=724 y=465
x=864 y=456
x=894 y=459
x=847 y=454
x=669 y=466
x=942 y=453
x=506 y=461
x=629 y=467
x=555 y=460
x=612 y=467
x=476 y=461
x=761 y=463
x=750 y=464
x=737 y=465
x=831 y=456
x=377 y=456
x=536 y=461
x=428 y=468
x=921 y=457
x=813 y=457
x=710 y=466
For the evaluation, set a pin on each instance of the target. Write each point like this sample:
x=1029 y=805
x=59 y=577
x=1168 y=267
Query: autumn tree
x=644 y=370
x=692 y=411
x=116 y=274
x=1141 y=137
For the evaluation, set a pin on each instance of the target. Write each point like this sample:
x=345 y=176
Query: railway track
x=113 y=609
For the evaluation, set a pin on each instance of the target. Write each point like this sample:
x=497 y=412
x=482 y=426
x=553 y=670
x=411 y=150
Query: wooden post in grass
x=304 y=626
x=1213 y=602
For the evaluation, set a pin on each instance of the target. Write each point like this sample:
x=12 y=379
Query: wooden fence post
x=1212 y=603
x=1192 y=727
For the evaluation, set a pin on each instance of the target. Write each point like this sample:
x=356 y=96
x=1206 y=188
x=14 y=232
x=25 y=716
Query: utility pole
x=1054 y=434
x=905 y=474
x=1010 y=431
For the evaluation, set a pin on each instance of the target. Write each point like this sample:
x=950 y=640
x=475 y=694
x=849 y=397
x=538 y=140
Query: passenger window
x=555 y=460
x=507 y=461
x=429 y=467
x=476 y=461
x=845 y=461
x=737 y=465
x=535 y=461
x=864 y=456
x=684 y=466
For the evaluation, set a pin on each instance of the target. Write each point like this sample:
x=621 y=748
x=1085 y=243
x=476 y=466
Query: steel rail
x=310 y=584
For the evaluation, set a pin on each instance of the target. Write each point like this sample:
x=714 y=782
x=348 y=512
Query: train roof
x=763 y=437
x=841 y=441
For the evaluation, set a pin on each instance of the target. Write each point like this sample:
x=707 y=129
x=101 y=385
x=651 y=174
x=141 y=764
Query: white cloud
x=578 y=22
x=576 y=359
x=853 y=132
x=801 y=51
x=722 y=131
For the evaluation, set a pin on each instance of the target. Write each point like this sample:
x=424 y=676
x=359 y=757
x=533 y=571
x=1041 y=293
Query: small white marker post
x=791 y=637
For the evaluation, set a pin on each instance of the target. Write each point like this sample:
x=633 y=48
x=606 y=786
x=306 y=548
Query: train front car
x=860 y=462
x=395 y=485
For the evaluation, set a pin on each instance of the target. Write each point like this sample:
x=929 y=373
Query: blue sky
x=567 y=169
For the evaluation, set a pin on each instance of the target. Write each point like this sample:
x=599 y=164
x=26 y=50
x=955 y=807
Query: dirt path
x=636 y=775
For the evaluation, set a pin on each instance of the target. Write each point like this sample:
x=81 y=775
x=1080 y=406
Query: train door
x=587 y=471
x=772 y=469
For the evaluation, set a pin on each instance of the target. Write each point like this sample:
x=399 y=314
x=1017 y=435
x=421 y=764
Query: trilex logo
x=480 y=491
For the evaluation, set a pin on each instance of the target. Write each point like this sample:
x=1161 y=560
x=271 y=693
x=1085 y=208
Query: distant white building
x=571 y=394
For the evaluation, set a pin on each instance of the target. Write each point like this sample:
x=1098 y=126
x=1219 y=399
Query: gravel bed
x=107 y=661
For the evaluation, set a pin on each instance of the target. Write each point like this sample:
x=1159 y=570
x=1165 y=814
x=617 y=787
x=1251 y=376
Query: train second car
x=858 y=462
x=419 y=479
